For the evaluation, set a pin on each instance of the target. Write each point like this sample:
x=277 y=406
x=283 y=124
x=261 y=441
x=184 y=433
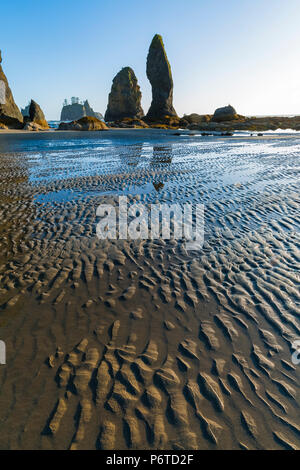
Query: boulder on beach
x=36 y=115
x=32 y=126
x=10 y=115
x=167 y=122
x=195 y=118
x=129 y=123
x=87 y=123
x=160 y=77
x=124 y=100
x=227 y=113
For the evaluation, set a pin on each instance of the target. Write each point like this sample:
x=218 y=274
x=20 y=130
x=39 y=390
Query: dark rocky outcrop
x=75 y=111
x=36 y=116
x=195 y=118
x=87 y=123
x=32 y=126
x=227 y=113
x=252 y=124
x=10 y=115
x=160 y=77
x=168 y=122
x=124 y=100
x=129 y=123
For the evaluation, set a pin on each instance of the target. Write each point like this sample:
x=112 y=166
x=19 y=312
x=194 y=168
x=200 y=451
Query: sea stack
x=160 y=77
x=90 y=112
x=124 y=100
x=76 y=110
x=36 y=115
x=10 y=115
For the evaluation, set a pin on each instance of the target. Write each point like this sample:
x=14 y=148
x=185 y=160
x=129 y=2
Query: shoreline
x=175 y=133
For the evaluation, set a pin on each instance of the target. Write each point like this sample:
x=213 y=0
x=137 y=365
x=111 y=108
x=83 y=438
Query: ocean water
x=186 y=164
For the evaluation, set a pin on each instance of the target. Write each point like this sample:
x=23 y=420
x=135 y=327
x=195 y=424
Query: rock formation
x=10 y=114
x=227 y=113
x=124 y=100
x=87 y=123
x=90 y=112
x=242 y=123
x=25 y=111
x=36 y=115
x=75 y=111
x=160 y=77
x=32 y=126
x=195 y=118
x=130 y=123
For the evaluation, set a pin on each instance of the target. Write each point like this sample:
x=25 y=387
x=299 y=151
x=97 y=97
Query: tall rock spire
x=160 y=77
x=9 y=112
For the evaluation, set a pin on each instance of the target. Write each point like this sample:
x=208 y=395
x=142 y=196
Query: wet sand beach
x=239 y=134
x=141 y=344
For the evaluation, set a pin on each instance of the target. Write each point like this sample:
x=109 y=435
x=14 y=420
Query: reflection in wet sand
x=121 y=344
x=158 y=186
x=161 y=154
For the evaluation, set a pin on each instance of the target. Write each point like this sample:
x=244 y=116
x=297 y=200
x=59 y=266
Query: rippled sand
x=125 y=344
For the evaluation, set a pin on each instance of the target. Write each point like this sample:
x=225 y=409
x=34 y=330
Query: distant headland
x=124 y=108
x=77 y=110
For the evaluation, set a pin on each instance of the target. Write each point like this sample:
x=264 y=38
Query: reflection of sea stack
x=158 y=186
x=160 y=77
x=124 y=100
x=10 y=114
x=161 y=154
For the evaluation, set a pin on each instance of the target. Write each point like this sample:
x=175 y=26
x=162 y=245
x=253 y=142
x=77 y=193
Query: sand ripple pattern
x=123 y=344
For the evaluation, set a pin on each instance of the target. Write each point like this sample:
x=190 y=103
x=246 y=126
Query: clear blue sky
x=242 y=52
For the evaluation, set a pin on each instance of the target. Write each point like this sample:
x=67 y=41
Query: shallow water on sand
x=180 y=349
